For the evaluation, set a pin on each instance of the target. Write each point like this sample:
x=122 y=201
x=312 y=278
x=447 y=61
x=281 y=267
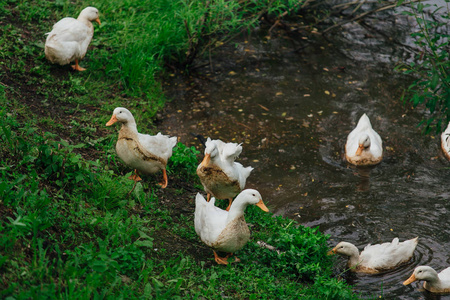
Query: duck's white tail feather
x=58 y=53
x=161 y=144
x=209 y=220
x=364 y=122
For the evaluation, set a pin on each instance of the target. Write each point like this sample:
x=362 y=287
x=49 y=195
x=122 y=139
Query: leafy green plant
x=184 y=160
x=431 y=66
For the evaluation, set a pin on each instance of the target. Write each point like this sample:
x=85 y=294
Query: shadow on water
x=293 y=111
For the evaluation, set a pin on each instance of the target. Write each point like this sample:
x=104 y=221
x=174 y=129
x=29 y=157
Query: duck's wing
x=220 y=145
x=231 y=151
x=209 y=220
x=376 y=144
x=444 y=275
x=158 y=145
x=200 y=204
x=63 y=24
x=233 y=169
x=352 y=143
x=243 y=173
x=69 y=30
x=388 y=255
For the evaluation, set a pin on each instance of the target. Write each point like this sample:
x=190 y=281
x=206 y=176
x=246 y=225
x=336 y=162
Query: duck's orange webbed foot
x=221 y=260
x=77 y=67
x=229 y=205
x=166 y=180
x=224 y=260
x=135 y=177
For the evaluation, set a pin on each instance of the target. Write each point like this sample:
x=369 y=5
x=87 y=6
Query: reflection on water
x=293 y=111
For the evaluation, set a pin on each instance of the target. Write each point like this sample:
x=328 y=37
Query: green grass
x=68 y=228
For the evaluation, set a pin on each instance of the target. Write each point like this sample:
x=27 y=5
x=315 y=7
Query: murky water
x=293 y=110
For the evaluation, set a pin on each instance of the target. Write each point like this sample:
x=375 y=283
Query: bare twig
x=248 y=127
x=358 y=6
x=270 y=247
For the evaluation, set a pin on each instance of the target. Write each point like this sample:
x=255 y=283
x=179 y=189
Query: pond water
x=293 y=110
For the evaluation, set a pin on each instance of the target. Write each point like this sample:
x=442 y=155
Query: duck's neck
x=86 y=22
x=433 y=283
x=236 y=210
x=354 y=259
x=128 y=129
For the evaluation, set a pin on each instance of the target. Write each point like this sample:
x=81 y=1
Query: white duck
x=445 y=142
x=376 y=258
x=434 y=282
x=219 y=174
x=69 y=39
x=223 y=230
x=364 y=146
x=145 y=153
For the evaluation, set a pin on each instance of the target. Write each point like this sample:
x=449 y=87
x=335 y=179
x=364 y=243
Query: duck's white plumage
x=445 y=142
x=219 y=174
x=223 y=230
x=364 y=146
x=379 y=257
x=434 y=282
x=146 y=153
x=69 y=39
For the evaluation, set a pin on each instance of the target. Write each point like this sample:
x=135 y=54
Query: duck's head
x=91 y=14
x=211 y=152
x=344 y=249
x=251 y=196
x=121 y=115
x=422 y=273
x=364 y=143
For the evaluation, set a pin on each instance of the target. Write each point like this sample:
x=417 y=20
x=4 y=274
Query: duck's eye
x=253 y=195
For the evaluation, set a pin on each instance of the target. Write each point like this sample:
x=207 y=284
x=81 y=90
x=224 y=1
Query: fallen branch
x=270 y=247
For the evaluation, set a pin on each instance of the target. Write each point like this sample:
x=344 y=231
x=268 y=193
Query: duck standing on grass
x=145 y=153
x=434 y=282
x=220 y=175
x=69 y=39
x=223 y=230
x=364 y=146
x=376 y=258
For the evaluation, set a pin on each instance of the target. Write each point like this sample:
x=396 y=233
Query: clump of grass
x=184 y=160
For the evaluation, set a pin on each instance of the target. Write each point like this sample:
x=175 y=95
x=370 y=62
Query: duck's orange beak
x=410 y=279
x=261 y=205
x=98 y=21
x=206 y=160
x=112 y=121
x=332 y=251
x=360 y=150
